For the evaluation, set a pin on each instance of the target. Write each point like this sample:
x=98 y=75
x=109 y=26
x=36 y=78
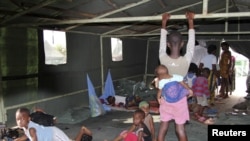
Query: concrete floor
x=112 y=123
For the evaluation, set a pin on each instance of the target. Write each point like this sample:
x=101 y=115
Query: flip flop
x=202 y=119
x=209 y=121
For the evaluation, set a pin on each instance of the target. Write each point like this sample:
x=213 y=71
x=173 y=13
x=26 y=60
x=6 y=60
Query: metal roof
x=126 y=17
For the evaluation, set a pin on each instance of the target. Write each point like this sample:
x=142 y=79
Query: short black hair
x=193 y=68
x=174 y=37
x=206 y=70
x=140 y=112
x=24 y=110
x=196 y=43
x=211 y=48
x=224 y=44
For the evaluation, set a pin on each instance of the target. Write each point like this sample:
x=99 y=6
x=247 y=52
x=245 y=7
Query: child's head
x=224 y=46
x=138 y=117
x=144 y=105
x=205 y=72
x=211 y=49
x=160 y=71
x=193 y=68
x=22 y=117
x=175 y=41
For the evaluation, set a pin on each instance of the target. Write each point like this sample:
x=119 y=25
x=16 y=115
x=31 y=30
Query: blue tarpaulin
x=108 y=88
x=96 y=107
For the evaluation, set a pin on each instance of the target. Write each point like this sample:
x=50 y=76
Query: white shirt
x=199 y=53
x=208 y=61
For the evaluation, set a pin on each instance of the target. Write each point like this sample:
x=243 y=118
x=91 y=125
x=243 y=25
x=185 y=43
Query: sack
x=42 y=118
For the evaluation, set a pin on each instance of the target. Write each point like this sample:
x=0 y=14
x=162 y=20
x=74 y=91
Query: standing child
x=176 y=63
x=201 y=91
x=138 y=131
x=225 y=65
x=189 y=80
x=36 y=132
x=172 y=97
x=149 y=121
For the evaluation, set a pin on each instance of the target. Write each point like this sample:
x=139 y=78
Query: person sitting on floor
x=138 y=131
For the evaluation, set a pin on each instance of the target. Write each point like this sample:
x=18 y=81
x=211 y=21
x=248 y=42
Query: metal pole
x=198 y=33
x=226 y=21
x=205 y=7
x=146 y=63
x=102 y=69
x=143 y=18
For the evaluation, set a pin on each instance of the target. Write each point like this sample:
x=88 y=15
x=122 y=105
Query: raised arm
x=191 y=36
x=163 y=38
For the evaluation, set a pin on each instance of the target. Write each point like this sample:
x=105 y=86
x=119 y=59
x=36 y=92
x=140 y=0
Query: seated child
x=138 y=131
x=84 y=134
x=148 y=121
x=36 y=132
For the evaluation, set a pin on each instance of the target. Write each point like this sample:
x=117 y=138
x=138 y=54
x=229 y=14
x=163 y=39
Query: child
x=172 y=98
x=189 y=80
x=149 y=121
x=84 y=134
x=201 y=91
x=138 y=131
x=36 y=132
x=210 y=61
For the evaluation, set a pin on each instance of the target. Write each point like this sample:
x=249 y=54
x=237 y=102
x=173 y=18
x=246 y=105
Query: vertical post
x=146 y=63
x=204 y=8
x=102 y=69
x=226 y=22
x=2 y=109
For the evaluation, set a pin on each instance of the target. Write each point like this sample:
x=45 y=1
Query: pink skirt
x=177 y=111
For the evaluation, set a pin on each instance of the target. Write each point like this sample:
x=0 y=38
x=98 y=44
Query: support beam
x=172 y=11
x=115 y=11
x=146 y=18
x=197 y=33
x=205 y=7
x=29 y=10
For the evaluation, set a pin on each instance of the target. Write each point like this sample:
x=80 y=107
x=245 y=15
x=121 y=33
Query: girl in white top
x=36 y=132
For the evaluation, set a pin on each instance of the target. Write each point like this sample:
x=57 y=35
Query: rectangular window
x=55 y=47
x=116 y=48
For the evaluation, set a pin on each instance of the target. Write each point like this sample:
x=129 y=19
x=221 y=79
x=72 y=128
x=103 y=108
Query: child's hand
x=191 y=93
x=190 y=15
x=165 y=18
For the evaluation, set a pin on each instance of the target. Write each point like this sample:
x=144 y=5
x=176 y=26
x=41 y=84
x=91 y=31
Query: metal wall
x=62 y=87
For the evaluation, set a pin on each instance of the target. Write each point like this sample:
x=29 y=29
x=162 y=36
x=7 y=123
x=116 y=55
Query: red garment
x=200 y=86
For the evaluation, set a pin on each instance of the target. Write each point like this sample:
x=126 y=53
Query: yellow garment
x=224 y=64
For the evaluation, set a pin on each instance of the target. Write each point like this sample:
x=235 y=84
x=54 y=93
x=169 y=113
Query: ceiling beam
x=196 y=33
x=45 y=3
x=172 y=11
x=145 y=18
x=115 y=11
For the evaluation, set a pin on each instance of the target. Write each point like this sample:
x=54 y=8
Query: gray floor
x=112 y=123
